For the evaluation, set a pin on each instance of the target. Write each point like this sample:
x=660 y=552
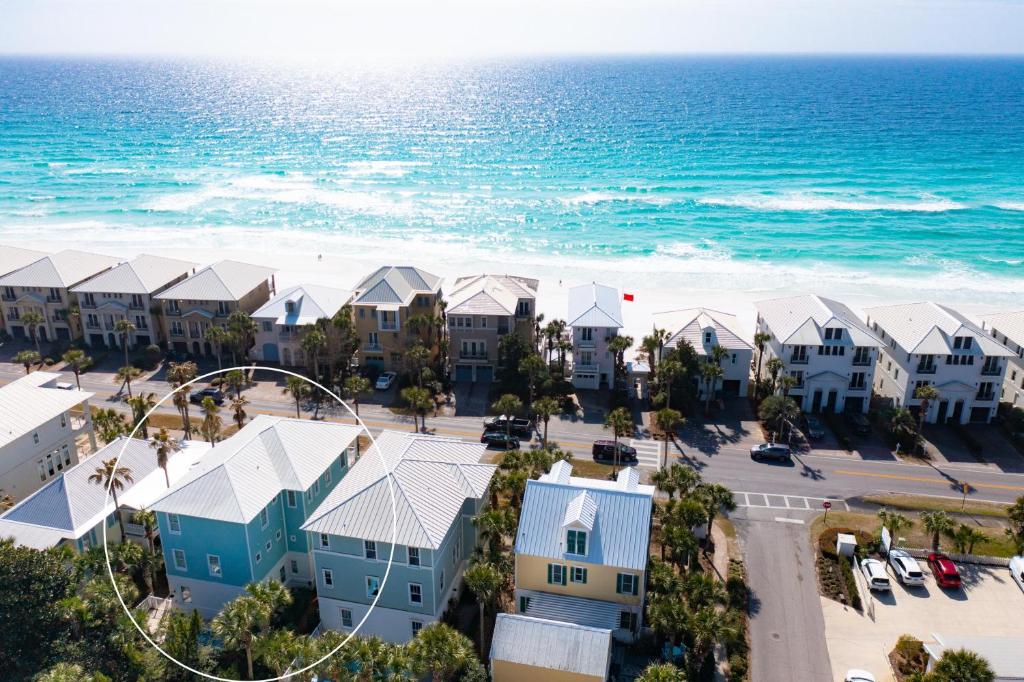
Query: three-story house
x=13 y=258
x=1008 y=329
x=282 y=321
x=706 y=329
x=595 y=316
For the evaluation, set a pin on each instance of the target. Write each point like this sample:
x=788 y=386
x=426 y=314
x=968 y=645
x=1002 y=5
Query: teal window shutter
x=636 y=584
x=618 y=583
x=563 y=574
x=550 y=570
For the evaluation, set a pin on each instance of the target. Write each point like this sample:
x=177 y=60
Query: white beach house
x=1008 y=329
x=930 y=344
x=595 y=316
x=39 y=426
x=14 y=258
x=125 y=292
x=282 y=321
x=825 y=347
x=705 y=328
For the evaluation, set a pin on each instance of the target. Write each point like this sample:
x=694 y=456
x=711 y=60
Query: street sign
x=826 y=504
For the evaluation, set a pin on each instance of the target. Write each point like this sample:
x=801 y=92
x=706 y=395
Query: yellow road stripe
x=923 y=479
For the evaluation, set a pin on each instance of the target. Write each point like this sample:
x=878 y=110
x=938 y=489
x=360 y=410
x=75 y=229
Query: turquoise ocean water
x=888 y=168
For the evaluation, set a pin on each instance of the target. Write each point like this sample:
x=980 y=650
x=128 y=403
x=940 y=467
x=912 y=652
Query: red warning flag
x=627 y=297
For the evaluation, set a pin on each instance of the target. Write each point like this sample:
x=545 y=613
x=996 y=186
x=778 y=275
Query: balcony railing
x=798 y=360
x=7 y=297
x=472 y=356
x=985 y=397
x=857 y=387
x=585 y=343
x=85 y=305
x=586 y=368
x=861 y=362
x=926 y=369
x=12 y=316
x=990 y=371
x=372 y=347
x=92 y=325
x=388 y=326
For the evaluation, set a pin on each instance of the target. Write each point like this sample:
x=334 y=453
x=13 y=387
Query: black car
x=500 y=440
x=860 y=423
x=519 y=426
x=604 y=451
x=196 y=397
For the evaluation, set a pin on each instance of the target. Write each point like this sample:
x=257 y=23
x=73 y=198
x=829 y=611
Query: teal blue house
x=237 y=516
x=426 y=537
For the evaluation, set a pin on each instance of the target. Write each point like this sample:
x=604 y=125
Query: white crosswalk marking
x=790 y=502
x=648 y=452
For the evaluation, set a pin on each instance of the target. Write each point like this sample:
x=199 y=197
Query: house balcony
x=372 y=348
x=85 y=305
x=473 y=356
x=172 y=313
x=862 y=363
x=5 y=297
x=985 y=397
x=586 y=368
x=51 y=299
x=388 y=326
x=851 y=387
x=586 y=344
x=991 y=371
x=926 y=369
x=137 y=530
x=13 y=316
x=794 y=360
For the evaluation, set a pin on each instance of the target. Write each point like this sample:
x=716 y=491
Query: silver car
x=906 y=567
x=775 y=451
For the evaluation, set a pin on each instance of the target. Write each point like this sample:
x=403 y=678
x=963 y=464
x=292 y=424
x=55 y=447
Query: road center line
x=924 y=479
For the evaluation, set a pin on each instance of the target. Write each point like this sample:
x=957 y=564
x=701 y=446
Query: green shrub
x=737 y=668
x=851 y=583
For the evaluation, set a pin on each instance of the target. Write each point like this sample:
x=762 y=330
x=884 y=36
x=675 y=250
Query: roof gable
x=144 y=274
x=226 y=280
x=395 y=284
x=60 y=270
x=14 y=258
x=595 y=305
x=310 y=303
x=931 y=329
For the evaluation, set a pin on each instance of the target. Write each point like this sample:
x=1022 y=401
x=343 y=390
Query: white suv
x=874 y=573
x=906 y=567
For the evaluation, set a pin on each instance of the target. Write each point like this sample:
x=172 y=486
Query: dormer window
x=707 y=337
x=289 y=307
x=576 y=542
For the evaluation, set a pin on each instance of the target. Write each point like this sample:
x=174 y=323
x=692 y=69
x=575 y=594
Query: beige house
x=13 y=258
x=41 y=421
x=126 y=292
x=539 y=650
x=383 y=304
x=1008 y=329
x=481 y=310
x=208 y=297
x=581 y=550
x=43 y=286
x=282 y=321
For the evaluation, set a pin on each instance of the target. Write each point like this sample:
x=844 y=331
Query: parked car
x=500 y=440
x=907 y=570
x=1017 y=570
x=604 y=451
x=385 y=380
x=813 y=428
x=860 y=423
x=944 y=570
x=874 y=573
x=858 y=675
x=197 y=397
x=521 y=427
x=776 y=451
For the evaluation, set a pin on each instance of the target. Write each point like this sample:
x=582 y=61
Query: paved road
x=787 y=629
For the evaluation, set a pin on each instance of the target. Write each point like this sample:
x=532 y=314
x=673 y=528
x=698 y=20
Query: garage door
x=731 y=387
x=485 y=374
x=270 y=352
x=463 y=372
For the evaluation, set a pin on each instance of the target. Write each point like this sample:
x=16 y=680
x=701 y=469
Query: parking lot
x=989 y=603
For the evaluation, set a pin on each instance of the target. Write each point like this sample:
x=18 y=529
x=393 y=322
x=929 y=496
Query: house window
x=179 y=559
x=587 y=333
x=264 y=518
x=857 y=380
x=415 y=593
x=35 y=438
x=440 y=583
x=372 y=586
x=213 y=564
x=222 y=308
x=576 y=542
x=834 y=334
x=369 y=549
x=627 y=620
x=414 y=556
x=327 y=576
x=325 y=541
x=316 y=487
x=174 y=524
x=259 y=557
x=346 y=618
x=63 y=421
x=327 y=477
x=277 y=535
x=524 y=603
x=267 y=546
x=416 y=627
x=556 y=574
x=626 y=583
x=268 y=326
x=290 y=496
x=282 y=574
x=578 y=574
x=295 y=566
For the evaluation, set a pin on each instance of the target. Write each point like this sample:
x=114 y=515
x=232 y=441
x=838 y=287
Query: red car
x=945 y=571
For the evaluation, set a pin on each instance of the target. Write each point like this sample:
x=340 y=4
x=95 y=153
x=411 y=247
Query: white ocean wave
x=595 y=197
x=389 y=169
x=827 y=202
x=1010 y=205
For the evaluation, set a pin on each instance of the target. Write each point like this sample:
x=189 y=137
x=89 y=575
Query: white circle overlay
x=394 y=524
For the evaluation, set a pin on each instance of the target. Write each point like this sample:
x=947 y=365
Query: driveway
x=471 y=398
x=996 y=451
x=787 y=630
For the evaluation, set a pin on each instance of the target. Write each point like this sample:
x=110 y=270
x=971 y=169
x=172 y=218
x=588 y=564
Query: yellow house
x=582 y=549
x=525 y=648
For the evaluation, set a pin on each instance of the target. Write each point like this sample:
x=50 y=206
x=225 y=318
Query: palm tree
x=666 y=420
x=618 y=346
x=125 y=375
x=441 y=651
x=671 y=369
x=545 y=408
x=113 y=477
x=927 y=394
x=760 y=338
x=110 y=424
x=419 y=401
x=937 y=523
x=65 y=672
x=773 y=367
x=27 y=358
x=715 y=497
x=147 y=519
x=165 y=446
x=965 y=537
x=278 y=650
x=179 y=374
x=32 y=321
x=235 y=379
x=77 y=361
x=238 y=407
x=894 y=522
x=661 y=672
x=242 y=331
x=217 y=336
x=508 y=404
x=961 y=665
x=787 y=383
x=778 y=410
x=903 y=425
x=356 y=386
x=212 y=423
x=620 y=421
x=124 y=327
x=484 y=581
x=313 y=344
x=564 y=346
x=535 y=369
x=298 y=388
x=141 y=405
x=708 y=626
x=710 y=372
x=236 y=624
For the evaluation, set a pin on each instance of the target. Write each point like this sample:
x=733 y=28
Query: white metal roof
x=1005 y=655
x=395 y=284
x=593 y=613
x=28 y=402
x=310 y=303
x=432 y=478
x=227 y=280
x=691 y=323
x=800 y=320
x=144 y=274
x=68 y=506
x=14 y=258
x=552 y=645
x=619 y=521
x=243 y=473
x=929 y=328
x=1010 y=325
x=595 y=305
x=490 y=294
x=60 y=270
